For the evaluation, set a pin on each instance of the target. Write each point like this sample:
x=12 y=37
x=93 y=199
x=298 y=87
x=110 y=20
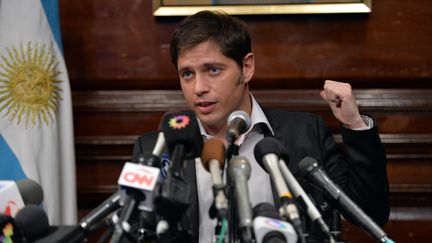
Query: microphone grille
x=267 y=145
x=307 y=164
x=241 y=115
x=31 y=192
x=239 y=165
x=265 y=209
x=32 y=221
x=213 y=149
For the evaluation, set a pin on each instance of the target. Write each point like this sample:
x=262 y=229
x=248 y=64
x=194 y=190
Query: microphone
x=267 y=155
x=14 y=195
x=238 y=123
x=153 y=158
x=31 y=225
x=213 y=159
x=295 y=187
x=32 y=222
x=239 y=171
x=103 y=210
x=135 y=180
x=316 y=176
x=184 y=141
x=182 y=136
x=268 y=226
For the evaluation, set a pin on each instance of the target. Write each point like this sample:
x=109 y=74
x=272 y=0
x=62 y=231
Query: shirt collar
x=259 y=123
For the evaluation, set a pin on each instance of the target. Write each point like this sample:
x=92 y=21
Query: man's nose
x=201 y=85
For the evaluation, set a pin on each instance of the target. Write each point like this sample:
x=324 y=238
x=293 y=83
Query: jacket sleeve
x=360 y=170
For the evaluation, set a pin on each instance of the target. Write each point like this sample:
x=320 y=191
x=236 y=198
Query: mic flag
x=181 y=128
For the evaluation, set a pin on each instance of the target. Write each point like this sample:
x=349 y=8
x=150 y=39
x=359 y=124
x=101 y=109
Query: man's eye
x=186 y=74
x=214 y=70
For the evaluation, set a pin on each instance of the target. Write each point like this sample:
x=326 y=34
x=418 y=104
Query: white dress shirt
x=259 y=182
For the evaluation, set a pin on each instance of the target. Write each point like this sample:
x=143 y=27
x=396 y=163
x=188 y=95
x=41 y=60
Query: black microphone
x=32 y=225
x=315 y=175
x=184 y=142
x=239 y=171
x=267 y=155
x=213 y=159
x=182 y=137
x=268 y=226
x=238 y=123
x=103 y=210
x=32 y=222
x=31 y=192
x=153 y=158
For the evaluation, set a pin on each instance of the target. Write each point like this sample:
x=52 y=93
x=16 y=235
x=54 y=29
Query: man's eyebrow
x=183 y=69
x=205 y=65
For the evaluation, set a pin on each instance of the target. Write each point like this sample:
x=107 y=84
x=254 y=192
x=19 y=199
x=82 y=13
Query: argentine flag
x=36 y=130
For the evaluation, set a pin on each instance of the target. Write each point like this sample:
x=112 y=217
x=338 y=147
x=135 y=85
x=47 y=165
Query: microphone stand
x=232 y=151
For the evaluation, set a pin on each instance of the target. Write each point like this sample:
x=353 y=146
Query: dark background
x=122 y=81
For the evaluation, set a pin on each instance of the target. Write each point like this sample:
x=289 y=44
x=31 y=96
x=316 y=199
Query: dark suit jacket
x=359 y=167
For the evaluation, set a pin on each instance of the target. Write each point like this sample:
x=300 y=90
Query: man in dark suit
x=213 y=55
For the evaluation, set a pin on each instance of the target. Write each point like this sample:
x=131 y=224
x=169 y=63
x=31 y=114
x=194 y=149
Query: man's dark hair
x=228 y=32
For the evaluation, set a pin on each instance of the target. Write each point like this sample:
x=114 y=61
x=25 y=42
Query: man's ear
x=248 y=67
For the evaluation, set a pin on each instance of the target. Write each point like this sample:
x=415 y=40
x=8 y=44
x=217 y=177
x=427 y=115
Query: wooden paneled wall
x=122 y=80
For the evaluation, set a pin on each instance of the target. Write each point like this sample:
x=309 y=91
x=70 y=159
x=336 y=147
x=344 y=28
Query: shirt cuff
x=368 y=121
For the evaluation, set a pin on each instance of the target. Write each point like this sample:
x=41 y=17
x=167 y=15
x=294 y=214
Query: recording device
x=268 y=226
x=315 y=175
x=153 y=158
x=184 y=141
x=135 y=180
x=213 y=159
x=182 y=137
x=267 y=155
x=300 y=195
x=31 y=225
x=14 y=195
x=239 y=171
x=108 y=206
x=238 y=123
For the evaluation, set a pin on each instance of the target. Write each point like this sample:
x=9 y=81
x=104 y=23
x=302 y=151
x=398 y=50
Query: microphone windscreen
x=267 y=145
x=306 y=165
x=265 y=209
x=31 y=192
x=213 y=149
x=32 y=222
x=182 y=128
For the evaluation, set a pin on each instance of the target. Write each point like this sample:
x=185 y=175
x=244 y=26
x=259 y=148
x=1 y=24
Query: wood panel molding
x=305 y=99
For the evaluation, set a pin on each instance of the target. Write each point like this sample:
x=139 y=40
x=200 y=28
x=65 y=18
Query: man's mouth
x=205 y=107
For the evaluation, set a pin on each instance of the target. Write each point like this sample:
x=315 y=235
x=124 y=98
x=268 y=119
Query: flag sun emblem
x=179 y=122
x=29 y=90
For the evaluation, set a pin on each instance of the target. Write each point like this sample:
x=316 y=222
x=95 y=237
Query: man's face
x=213 y=84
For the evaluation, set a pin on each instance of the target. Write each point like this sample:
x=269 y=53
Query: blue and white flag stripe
x=36 y=129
